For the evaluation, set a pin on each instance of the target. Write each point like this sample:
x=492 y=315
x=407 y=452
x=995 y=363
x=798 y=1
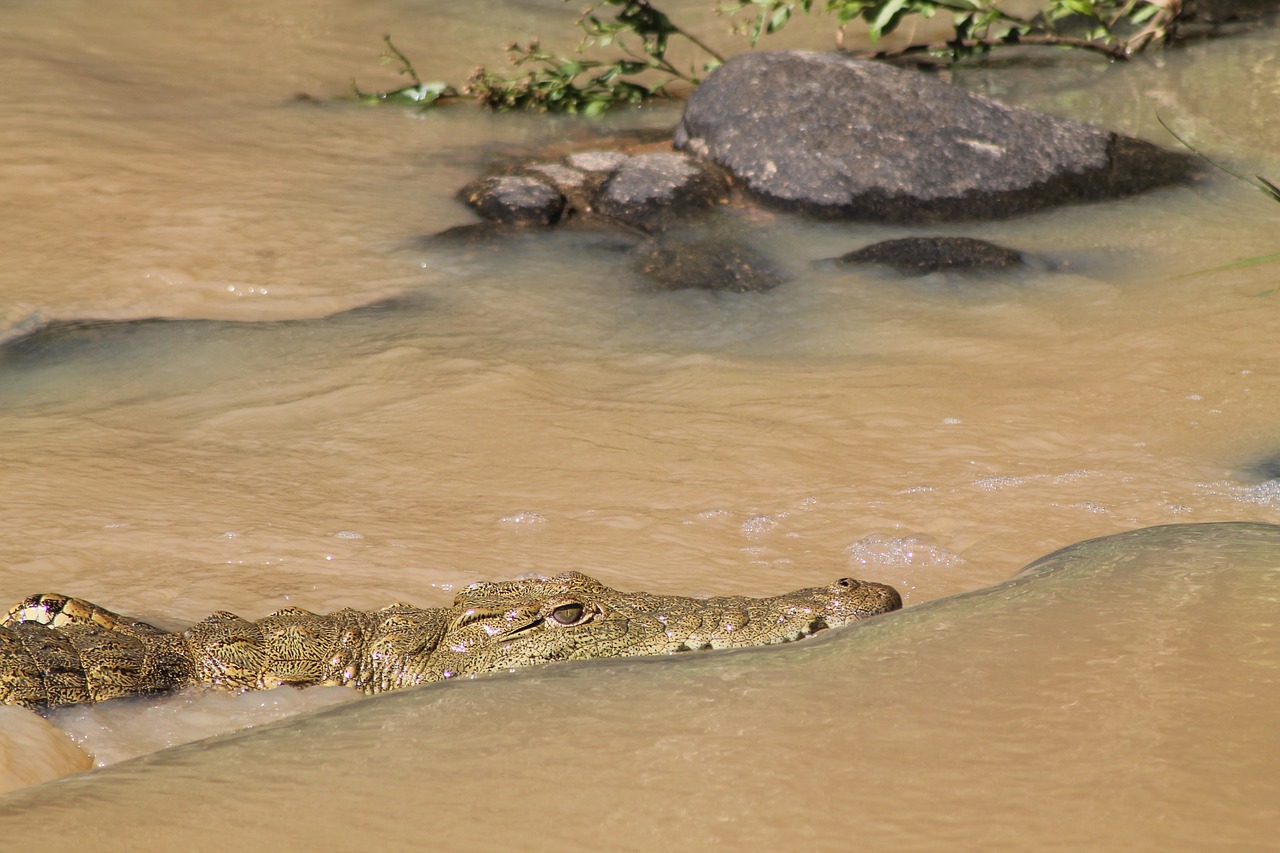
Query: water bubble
x=523 y=519
x=1264 y=494
x=993 y=483
x=758 y=525
x=880 y=550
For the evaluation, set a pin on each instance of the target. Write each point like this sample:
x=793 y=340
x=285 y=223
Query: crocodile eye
x=569 y=614
x=846 y=583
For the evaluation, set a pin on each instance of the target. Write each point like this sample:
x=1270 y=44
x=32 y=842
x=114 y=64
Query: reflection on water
x=1118 y=695
x=196 y=414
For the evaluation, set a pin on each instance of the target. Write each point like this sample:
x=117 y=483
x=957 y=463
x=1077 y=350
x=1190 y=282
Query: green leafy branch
x=578 y=84
x=642 y=34
x=557 y=83
x=1114 y=28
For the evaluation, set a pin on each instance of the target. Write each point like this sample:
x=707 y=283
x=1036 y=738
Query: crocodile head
x=513 y=624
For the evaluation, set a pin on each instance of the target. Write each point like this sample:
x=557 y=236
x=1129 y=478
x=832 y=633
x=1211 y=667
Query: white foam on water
x=899 y=551
x=1263 y=494
x=115 y=731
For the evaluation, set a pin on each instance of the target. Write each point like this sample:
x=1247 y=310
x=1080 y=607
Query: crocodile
x=56 y=650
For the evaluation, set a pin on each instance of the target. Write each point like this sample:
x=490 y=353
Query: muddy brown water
x=539 y=408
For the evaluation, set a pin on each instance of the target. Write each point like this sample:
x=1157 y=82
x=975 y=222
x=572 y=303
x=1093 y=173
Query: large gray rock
x=831 y=135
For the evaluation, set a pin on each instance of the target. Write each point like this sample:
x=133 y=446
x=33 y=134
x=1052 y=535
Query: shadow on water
x=1092 y=702
x=64 y=340
x=125 y=358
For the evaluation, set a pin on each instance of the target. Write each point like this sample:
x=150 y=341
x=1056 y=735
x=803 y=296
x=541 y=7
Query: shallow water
x=1084 y=705
x=539 y=408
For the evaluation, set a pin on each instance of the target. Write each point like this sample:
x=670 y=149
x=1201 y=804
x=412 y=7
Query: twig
x=1117 y=52
x=406 y=67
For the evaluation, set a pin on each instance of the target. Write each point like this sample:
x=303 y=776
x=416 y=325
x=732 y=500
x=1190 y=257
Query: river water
x=537 y=407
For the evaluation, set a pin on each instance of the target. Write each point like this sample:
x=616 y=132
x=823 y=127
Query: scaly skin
x=56 y=650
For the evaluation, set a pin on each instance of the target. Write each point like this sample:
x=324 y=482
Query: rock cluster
x=648 y=192
x=836 y=137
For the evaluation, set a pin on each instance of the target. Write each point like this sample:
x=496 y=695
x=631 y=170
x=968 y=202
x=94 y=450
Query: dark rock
x=650 y=191
x=682 y=263
x=835 y=136
x=515 y=200
x=924 y=255
x=475 y=233
x=1266 y=468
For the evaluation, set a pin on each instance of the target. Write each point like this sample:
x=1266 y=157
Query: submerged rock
x=100 y=339
x=1263 y=469
x=925 y=255
x=835 y=136
x=683 y=263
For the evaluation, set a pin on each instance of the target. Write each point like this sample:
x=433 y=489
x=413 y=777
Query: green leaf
x=886 y=20
x=1146 y=13
x=1247 y=262
x=1269 y=188
x=1081 y=7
